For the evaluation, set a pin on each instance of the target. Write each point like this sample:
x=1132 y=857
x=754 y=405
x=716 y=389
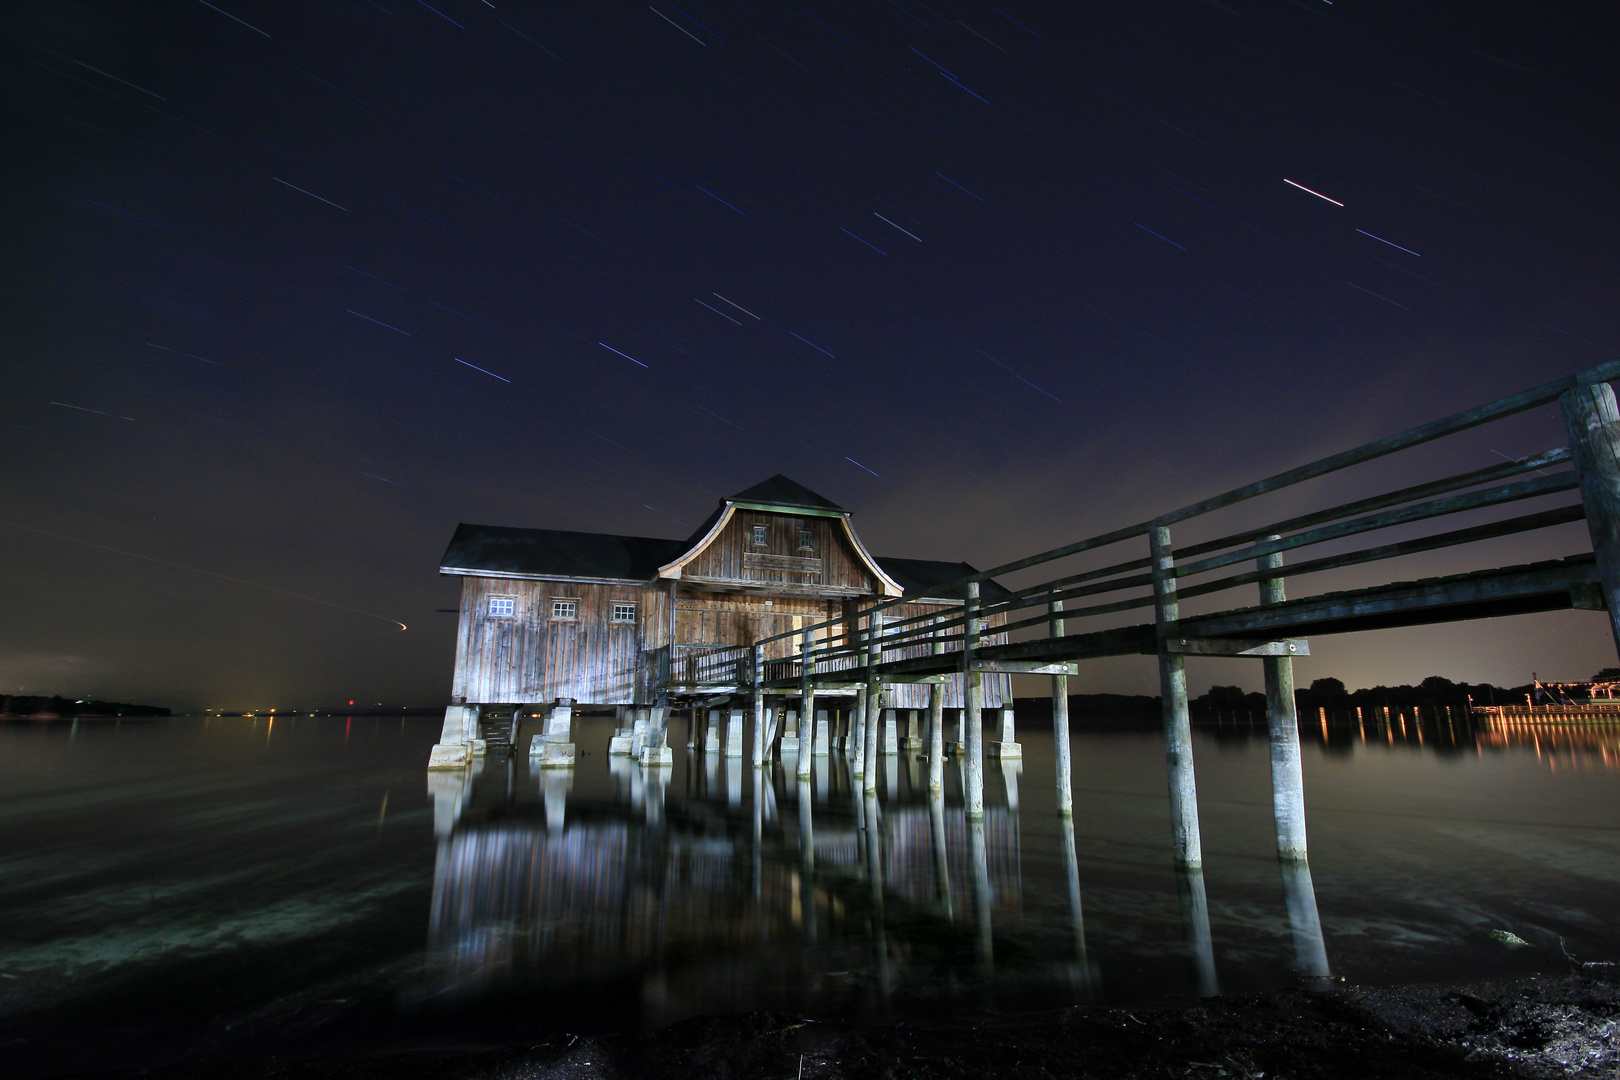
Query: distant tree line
x=1330 y=694
x=40 y=705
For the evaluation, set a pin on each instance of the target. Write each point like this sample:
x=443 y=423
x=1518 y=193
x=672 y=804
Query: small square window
x=565 y=609
x=624 y=613
x=807 y=540
x=503 y=607
x=759 y=534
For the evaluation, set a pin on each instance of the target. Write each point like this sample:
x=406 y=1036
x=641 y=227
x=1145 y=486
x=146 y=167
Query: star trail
x=995 y=277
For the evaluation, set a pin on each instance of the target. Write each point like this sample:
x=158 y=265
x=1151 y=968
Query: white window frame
x=508 y=602
x=762 y=534
x=807 y=539
x=619 y=606
x=571 y=614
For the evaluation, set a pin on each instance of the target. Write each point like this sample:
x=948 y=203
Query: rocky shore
x=1563 y=1025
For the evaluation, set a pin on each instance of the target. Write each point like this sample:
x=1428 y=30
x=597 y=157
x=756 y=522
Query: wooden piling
x=973 y=710
x=1060 y=721
x=936 y=724
x=1592 y=422
x=1287 y=778
x=759 y=706
x=807 y=701
x=874 y=700
x=1173 y=692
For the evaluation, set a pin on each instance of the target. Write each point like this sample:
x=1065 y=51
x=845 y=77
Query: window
x=760 y=535
x=624 y=613
x=565 y=609
x=502 y=607
x=807 y=540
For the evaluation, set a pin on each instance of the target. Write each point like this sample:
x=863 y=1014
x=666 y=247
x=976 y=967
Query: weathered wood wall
x=733 y=557
x=742 y=619
x=531 y=657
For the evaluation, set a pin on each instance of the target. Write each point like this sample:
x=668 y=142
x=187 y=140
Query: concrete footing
x=458 y=740
x=551 y=755
x=453 y=756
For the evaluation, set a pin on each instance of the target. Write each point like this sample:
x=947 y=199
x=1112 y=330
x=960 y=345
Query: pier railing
x=1043 y=617
x=702 y=665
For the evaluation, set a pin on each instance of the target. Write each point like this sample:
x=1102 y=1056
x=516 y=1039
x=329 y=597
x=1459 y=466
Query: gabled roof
x=500 y=551
x=789 y=494
x=921 y=577
x=497 y=549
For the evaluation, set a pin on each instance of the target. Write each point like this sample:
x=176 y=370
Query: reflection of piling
x=1177 y=727
x=979 y=865
x=1195 y=924
x=1310 y=950
x=1060 y=725
x=973 y=712
x=1287 y=779
x=942 y=875
x=1077 y=921
x=554 y=787
x=807 y=863
x=874 y=873
x=655 y=781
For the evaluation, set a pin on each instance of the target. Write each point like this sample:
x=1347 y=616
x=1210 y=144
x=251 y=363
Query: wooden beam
x=1237 y=647
x=1479 y=594
x=1028 y=667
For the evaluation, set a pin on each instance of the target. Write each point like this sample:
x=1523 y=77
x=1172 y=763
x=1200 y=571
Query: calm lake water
x=203 y=888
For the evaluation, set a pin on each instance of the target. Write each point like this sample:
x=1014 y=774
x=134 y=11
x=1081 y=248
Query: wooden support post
x=936 y=723
x=855 y=730
x=759 y=706
x=807 y=700
x=1593 y=424
x=1173 y=693
x=874 y=700
x=973 y=711
x=1060 y=722
x=1287 y=779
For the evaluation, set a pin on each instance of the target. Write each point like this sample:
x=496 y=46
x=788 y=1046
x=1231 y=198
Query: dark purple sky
x=290 y=289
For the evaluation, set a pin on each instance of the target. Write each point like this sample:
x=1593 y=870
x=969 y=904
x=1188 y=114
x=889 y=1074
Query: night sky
x=289 y=289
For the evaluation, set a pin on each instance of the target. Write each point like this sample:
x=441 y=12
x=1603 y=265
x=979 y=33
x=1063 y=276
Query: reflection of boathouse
x=605 y=620
x=568 y=892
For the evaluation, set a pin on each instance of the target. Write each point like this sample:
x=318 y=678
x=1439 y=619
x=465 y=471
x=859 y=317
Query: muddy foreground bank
x=1549 y=1026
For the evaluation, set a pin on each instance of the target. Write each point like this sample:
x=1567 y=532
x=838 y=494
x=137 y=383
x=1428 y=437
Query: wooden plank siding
x=704 y=618
x=726 y=559
x=532 y=657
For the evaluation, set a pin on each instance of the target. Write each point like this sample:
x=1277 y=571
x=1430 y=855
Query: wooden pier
x=1080 y=610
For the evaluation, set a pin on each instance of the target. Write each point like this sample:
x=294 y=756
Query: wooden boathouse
x=550 y=620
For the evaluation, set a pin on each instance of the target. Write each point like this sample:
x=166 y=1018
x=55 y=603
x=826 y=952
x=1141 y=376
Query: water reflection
x=1581 y=747
x=711 y=900
x=1584 y=745
x=1310 y=950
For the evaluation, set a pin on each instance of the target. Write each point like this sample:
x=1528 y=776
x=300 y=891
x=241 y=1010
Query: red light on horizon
x=351 y=703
